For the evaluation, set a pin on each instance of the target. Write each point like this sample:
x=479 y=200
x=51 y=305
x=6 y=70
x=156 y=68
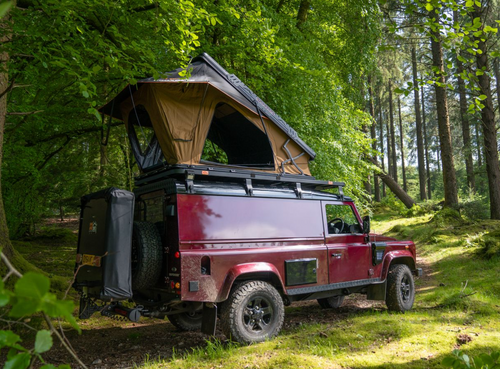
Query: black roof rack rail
x=189 y=173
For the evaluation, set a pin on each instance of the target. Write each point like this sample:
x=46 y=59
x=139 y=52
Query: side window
x=341 y=219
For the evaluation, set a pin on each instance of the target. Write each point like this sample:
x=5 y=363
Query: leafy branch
x=31 y=295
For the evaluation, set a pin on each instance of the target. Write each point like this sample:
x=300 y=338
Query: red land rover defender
x=225 y=220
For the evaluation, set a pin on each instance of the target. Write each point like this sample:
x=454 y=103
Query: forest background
x=385 y=92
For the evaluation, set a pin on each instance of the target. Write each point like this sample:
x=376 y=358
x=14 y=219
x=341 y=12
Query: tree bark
x=478 y=147
x=374 y=139
x=381 y=123
x=418 y=121
x=426 y=146
x=401 y=140
x=389 y=152
x=449 y=175
x=302 y=14
x=394 y=187
x=5 y=36
x=393 y=156
x=280 y=5
x=488 y=118
x=469 y=166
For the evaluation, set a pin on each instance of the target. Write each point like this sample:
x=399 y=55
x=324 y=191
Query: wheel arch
x=400 y=257
x=251 y=271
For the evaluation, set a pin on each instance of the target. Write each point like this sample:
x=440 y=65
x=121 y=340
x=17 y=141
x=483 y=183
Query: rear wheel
x=146 y=255
x=187 y=321
x=400 y=288
x=333 y=302
x=253 y=313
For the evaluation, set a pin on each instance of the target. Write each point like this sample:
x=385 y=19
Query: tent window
x=143 y=139
x=234 y=140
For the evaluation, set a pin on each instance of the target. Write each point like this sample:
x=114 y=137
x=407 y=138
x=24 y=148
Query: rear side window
x=242 y=218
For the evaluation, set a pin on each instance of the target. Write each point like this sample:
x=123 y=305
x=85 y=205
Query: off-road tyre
x=333 y=302
x=254 y=312
x=187 y=321
x=400 y=288
x=146 y=255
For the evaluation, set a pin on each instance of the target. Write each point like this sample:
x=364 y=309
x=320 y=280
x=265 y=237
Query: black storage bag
x=106 y=231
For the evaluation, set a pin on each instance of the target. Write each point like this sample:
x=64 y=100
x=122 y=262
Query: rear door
x=349 y=256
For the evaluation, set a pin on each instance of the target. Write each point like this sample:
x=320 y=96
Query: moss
x=447 y=217
x=490 y=244
x=53 y=236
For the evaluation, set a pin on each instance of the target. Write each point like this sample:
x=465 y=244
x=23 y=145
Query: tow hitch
x=118 y=310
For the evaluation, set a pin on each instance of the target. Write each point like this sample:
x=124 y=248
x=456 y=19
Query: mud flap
x=209 y=320
x=376 y=291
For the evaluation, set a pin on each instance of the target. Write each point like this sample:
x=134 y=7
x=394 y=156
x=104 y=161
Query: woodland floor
x=353 y=336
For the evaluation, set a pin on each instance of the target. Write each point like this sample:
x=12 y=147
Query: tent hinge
x=290 y=159
x=249 y=187
x=189 y=181
x=298 y=190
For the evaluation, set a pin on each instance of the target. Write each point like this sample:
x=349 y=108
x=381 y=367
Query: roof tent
x=181 y=120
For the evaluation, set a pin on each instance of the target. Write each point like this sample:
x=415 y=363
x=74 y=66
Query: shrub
x=459 y=360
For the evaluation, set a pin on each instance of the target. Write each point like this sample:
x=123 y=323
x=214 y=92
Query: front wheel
x=400 y=288
x=253 y=313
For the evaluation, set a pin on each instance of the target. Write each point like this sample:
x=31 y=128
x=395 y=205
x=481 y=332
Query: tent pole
x=265 y=131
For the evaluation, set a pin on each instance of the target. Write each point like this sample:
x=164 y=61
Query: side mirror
x=366 y=224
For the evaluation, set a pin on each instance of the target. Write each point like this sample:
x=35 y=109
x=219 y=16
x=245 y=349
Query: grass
x=460 y=295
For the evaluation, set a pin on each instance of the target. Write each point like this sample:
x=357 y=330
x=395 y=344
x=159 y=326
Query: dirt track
x=124 y=344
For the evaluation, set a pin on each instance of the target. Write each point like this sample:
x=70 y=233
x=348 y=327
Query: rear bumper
x=418 y=272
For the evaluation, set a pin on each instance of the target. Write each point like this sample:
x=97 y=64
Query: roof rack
x=188 y=174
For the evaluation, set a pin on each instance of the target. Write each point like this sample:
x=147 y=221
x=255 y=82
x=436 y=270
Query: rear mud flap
x=209 y=320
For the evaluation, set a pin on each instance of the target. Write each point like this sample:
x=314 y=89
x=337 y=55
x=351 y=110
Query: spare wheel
x=146 y=255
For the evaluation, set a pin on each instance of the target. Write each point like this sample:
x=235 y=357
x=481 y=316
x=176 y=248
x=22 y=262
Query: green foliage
x=30 y=296
x=475 y=207
x=310 y=76
x=460 y=360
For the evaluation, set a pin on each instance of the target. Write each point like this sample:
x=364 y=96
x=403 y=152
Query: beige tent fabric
x=181 y=114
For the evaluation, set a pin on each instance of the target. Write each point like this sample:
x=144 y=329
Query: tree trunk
x=389 y=152
x=497 y=78
x=393 y=156
x=401 y=140
x=449 y=176
x=395 y=187
x=418 y=121
x=374 y=139
x=426 y=145
x=438 y=159
x=280 y=5
x=488 y=119
x=302 y=14
x=469 y=167
x=478 y=146
x=5 y=35
x=381 y=123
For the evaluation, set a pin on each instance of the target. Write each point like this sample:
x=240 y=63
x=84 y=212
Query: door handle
x=337 y=256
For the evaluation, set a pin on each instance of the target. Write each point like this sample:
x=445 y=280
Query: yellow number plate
x=91 y=260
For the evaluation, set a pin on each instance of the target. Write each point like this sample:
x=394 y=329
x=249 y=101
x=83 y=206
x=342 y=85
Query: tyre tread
x=149 y=269
x=394 y=300
x=228 y=316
